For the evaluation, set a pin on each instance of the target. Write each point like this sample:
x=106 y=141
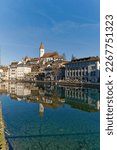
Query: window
x=79 y=73
x=74 y=73
x=93 y=67
x=93 y=73
x=87 y=73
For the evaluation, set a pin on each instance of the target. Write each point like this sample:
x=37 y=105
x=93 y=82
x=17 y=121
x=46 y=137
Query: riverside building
x=83 y=69
x=13 y=71
x=22 y=70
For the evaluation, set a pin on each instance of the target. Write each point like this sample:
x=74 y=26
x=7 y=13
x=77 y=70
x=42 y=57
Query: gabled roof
x=14 y=64
x=23 y=65
x=4 y=68
x=58 y=57
x=49 y=54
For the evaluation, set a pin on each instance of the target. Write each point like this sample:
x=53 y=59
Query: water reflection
x=42 y=116
x=41 y=110
x=53 y=96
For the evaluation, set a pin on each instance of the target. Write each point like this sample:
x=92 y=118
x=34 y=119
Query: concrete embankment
x=62 y=82
x=3 y=143
x=77 y=84
x=73 y=83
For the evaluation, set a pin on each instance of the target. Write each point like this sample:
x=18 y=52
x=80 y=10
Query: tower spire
x=42 y=51
x=41 y=46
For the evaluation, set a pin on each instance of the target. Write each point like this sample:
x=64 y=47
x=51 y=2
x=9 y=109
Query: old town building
x=13 y=71
x=48 y=56
x=22 y=70
x=83 y=69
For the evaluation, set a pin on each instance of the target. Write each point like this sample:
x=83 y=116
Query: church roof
x=58 y=57
x=49 y=54
x=41 y=46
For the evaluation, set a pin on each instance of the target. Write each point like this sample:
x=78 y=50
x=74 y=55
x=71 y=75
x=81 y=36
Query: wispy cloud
x=84 y=19
x=46 y=17
x=70 y=25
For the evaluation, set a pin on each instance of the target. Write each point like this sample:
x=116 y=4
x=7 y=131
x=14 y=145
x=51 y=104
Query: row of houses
x=52 y=66
x=14 y=71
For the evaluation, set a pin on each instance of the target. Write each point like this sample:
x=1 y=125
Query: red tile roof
x=58 y=57
x=49 y=54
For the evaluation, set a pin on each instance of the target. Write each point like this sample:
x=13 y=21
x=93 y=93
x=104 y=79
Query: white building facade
x=22 y=70
x=17 y=71
x=83 y=69
x=13 y=71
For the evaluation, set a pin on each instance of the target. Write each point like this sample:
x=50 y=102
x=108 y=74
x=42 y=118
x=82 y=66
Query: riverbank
x=68 y=83
x=3 y=144
x=78 y=84
x=61 y=82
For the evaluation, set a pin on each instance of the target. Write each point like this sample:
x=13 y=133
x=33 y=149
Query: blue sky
x=66 y=26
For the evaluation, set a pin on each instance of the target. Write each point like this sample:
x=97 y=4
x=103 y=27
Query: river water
x=47 y=117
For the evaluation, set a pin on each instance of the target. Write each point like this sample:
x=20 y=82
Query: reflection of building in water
x=83 y=95
x=50 y=101
x=54 y=96
x=3 y=87
x=41 y=110
x=18 y=89
x=98 y=104
x=12 y=89
x=22 y=90
x=49 y=97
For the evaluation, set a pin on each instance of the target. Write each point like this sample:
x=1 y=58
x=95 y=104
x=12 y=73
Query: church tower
x=42 y=51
